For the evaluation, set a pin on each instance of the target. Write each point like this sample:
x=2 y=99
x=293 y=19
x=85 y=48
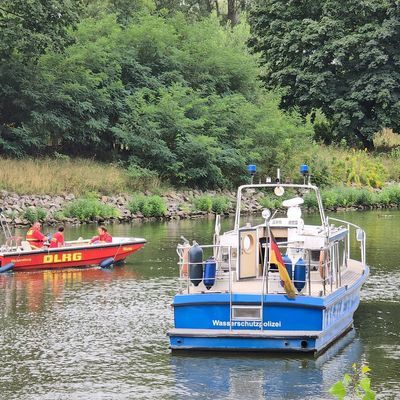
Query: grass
x=386 y=140
x=55 y=177
x=330 y=166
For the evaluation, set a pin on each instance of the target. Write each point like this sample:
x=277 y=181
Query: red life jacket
x=57 y=240
x=104 y=238
x=35 y=238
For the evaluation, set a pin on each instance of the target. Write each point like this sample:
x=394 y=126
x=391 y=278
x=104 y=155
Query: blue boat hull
x=304 y=324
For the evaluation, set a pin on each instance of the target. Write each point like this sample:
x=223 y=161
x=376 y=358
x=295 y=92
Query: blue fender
x=6 y=268
x=107 y=263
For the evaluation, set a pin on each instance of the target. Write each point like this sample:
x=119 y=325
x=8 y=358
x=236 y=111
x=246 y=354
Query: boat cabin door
x=248 y=253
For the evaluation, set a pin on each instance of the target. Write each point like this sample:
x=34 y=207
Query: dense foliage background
x=336 y=56
x=170 y=90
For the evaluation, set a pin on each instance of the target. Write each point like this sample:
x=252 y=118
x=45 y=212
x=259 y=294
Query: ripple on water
x=382 y=286
x=102 y=338
x=96 y=334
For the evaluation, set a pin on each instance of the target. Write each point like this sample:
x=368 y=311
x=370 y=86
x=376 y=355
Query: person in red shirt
x=34 y=237
x=58 y=238
x=104 y=236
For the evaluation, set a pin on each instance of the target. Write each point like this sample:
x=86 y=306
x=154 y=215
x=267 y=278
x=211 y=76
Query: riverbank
x=22 y=210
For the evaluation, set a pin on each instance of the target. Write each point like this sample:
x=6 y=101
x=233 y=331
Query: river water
x=101 y=334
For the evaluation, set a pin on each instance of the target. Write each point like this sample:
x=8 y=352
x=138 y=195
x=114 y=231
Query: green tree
x=226 y=10
x=181 y=100
x=27 y=30
x=31 y=27
x=338 y=56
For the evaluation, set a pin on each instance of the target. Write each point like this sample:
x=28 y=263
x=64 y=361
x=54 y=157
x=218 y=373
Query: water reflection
x=232 y=376
x=35 y=291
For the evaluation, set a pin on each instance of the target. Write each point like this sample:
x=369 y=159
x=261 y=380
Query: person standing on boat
x=104 y=236
x=34 y=237
x=58 y=238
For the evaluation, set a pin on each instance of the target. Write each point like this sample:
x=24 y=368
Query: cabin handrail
x=357 y=228
x=274 y=185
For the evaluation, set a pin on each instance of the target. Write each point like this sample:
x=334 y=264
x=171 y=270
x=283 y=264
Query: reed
x=54 y=177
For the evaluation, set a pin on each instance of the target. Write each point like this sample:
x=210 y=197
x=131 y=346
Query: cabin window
x=315 y=254
x=246 y=312
x=248 y=242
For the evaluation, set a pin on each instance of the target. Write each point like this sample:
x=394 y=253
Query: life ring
x=323 y=256
x=185 y=260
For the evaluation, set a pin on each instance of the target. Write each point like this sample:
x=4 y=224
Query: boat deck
x=255 y=285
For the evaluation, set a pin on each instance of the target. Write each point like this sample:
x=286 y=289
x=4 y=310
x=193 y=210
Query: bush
x=139 y=178
x=136 y=204
x=149 y=206
x=203 y=203
x=329 y=198
x=89 y=208
x=364 y=197
x=362 y=170
x=346 y=197
x=220 y=204
x=268 y=202
x=310 y=201
x=390 y=195
x=355 y=386
x=35 y=214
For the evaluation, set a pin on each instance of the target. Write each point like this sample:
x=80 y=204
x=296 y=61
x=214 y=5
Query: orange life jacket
x=35 y=238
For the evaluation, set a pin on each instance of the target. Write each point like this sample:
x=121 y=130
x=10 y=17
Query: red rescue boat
x=77 y=253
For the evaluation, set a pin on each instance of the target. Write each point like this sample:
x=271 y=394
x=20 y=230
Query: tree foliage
x=27 y=30
x=31 y=27
x=338 y=56
x=180 y=99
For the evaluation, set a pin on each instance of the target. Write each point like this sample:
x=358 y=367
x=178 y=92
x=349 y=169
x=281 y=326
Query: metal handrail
x=274 y=185
x=329 y=277
x=362 y=241
x=182 y=262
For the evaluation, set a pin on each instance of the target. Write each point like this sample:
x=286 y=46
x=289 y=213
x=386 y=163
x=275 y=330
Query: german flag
x=275 y=257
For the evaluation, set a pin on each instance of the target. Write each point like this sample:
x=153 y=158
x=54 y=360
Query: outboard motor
x=300 y=275
x=196 y=264
x=210 y=269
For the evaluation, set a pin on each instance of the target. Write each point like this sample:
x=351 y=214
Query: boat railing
x=360 y=236
x=327 y=275
x=10 y=240
x=221 y=256
x=321 y=276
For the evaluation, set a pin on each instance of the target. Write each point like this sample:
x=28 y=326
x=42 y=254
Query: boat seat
x=25 y=245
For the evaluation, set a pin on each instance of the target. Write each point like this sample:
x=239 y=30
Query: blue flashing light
x=251 y=169
x=304 y=169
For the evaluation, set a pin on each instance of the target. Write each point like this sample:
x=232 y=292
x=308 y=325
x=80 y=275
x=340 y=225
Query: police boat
x=279 y=285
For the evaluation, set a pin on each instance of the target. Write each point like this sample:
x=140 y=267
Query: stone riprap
x=179 y=206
